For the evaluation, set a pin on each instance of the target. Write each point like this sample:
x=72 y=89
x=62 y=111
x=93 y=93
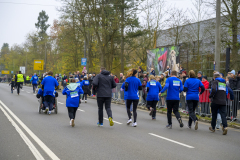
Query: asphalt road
x=25 y=134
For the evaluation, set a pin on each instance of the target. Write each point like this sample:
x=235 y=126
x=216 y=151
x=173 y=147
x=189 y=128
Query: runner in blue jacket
x=73 y=92
x=153 y=89
x=34 y=81
x=175 y=87
x=125 y=95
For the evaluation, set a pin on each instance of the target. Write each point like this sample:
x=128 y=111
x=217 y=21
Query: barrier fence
x=204 y=105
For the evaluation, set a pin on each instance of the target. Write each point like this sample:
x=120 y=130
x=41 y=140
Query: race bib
x=176 y=83
x=86 y=82
x=152 y=83
x=74 y=94
x=35 y=77
x=221 y=86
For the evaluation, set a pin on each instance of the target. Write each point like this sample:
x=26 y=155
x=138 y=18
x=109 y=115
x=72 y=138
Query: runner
x=219 y=92
x=191 y=86
x=132 y=85
x=12 y=83
x=73 y=92
x=85 y=87
x=174 y=86
x=125 y=96
x=34 y=81
x=153 y=89
x=19 y=80
x=48 y=85
x=103 y=83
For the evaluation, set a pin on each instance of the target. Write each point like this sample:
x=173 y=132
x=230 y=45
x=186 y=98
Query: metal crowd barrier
x=204 y=105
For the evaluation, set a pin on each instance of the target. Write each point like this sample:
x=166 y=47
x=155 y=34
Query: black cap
x=205 y=77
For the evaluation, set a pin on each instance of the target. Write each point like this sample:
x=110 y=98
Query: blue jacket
x=85 y=83
x=49 y=84
x=174 y=87
x=125 y=92
x=154 y=90
x=40 y=92
x=192 y=85
x=133 y=84
x=34 y=79
x=73 y=92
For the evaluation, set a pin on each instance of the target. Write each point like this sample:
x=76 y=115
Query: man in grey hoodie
x=103 y=84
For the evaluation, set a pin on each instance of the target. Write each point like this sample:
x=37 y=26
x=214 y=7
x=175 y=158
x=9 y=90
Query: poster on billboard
x=160 y=58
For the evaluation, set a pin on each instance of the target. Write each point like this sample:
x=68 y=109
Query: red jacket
x=116 y=80
x=204 y=97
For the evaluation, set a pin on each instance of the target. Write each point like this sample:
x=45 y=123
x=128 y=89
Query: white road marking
x=33 y=149
x=171 y=140
x=113 y=121
x=81 y=110
x=34 y=137
x=60 y=103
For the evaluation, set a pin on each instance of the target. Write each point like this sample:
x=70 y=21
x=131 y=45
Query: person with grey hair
x=219 y=92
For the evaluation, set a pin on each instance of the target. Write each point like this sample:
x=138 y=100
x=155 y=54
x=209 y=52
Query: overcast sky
x=18 y=17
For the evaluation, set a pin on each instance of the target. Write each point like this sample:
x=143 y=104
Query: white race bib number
x=176 y=83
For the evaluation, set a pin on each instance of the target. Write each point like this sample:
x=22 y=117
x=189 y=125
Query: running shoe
x=110 y=121
x=169 y=126
x=180 y=122
x=151 y=112
x=100 y=124
x=196 y=125
x=211 y=129
x=49 y=112
x=129 y=121
x=225 y=131
x=153 y=118
x=134 y=124
x=189 y=127
x=217 y=128
x=46 y=111
x=85 y=101
x=73 y=124
x=70 y=122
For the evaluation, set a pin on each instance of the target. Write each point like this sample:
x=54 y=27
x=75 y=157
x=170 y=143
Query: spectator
x=181 y=69
x=141 y=77
x=82 y=76
x=203 y=98
x=238 y=80
x=140 y=70
x=121 y=78
x=164 y=94
x=144 y=94
x=184 y=77
x=166 y=73
x=145 y=76
x=199 y=75
x=84 y=70
x=152 y=72
x=169 y=71
x=64 y=77
x=122 y=93
x=232 y=80
x=90 y=81
x=116 y=79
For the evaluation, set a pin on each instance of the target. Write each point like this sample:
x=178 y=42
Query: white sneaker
x=134 y=124
x=49 y=112
x=46 y=110
x=85 y=101
x=70 y=122
x=129 y=121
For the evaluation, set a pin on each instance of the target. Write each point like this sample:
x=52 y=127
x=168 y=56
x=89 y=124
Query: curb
x=183 y=116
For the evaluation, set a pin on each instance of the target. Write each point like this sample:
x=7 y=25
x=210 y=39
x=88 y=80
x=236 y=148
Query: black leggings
x=72 y=112
x=135 y=103
x=19 y=85
x=152 y=104
x=192 y=105
x=84 y=95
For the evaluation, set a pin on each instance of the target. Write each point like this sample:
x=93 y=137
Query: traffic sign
x=5 y=72
x=38 y=65
x=11 y=72
x=84 y=61
x=22 y=69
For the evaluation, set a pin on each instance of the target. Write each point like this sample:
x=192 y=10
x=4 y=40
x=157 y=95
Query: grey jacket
x=103 y=83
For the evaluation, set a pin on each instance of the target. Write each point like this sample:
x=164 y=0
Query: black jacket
x=103 y=83
x=218 y=96
x=238 y=83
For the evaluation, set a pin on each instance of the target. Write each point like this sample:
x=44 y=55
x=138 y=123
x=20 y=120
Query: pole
x=217 y=36
x=122 y=38
x=45 y=64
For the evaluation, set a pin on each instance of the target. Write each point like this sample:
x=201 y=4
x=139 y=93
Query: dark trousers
x=72 y=112
x=48 y=102
x=19 y=85
x=205 y=108
x=100 y=102
x=222 y=111
x=135 y=103
x=84 y=95
x=192 y=105
x=152 y=104
x=34 y=87
x=172 y=105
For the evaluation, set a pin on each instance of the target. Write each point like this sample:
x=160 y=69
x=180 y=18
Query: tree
x=42 y=24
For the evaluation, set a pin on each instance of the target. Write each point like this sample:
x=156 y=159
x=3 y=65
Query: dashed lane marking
x=81 y=110
x=170 y=140
x=113 y=121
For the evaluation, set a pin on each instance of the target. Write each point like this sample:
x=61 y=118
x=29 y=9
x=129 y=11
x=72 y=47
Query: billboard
x=38 y=65
x=160 y=58
x=5 y=72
